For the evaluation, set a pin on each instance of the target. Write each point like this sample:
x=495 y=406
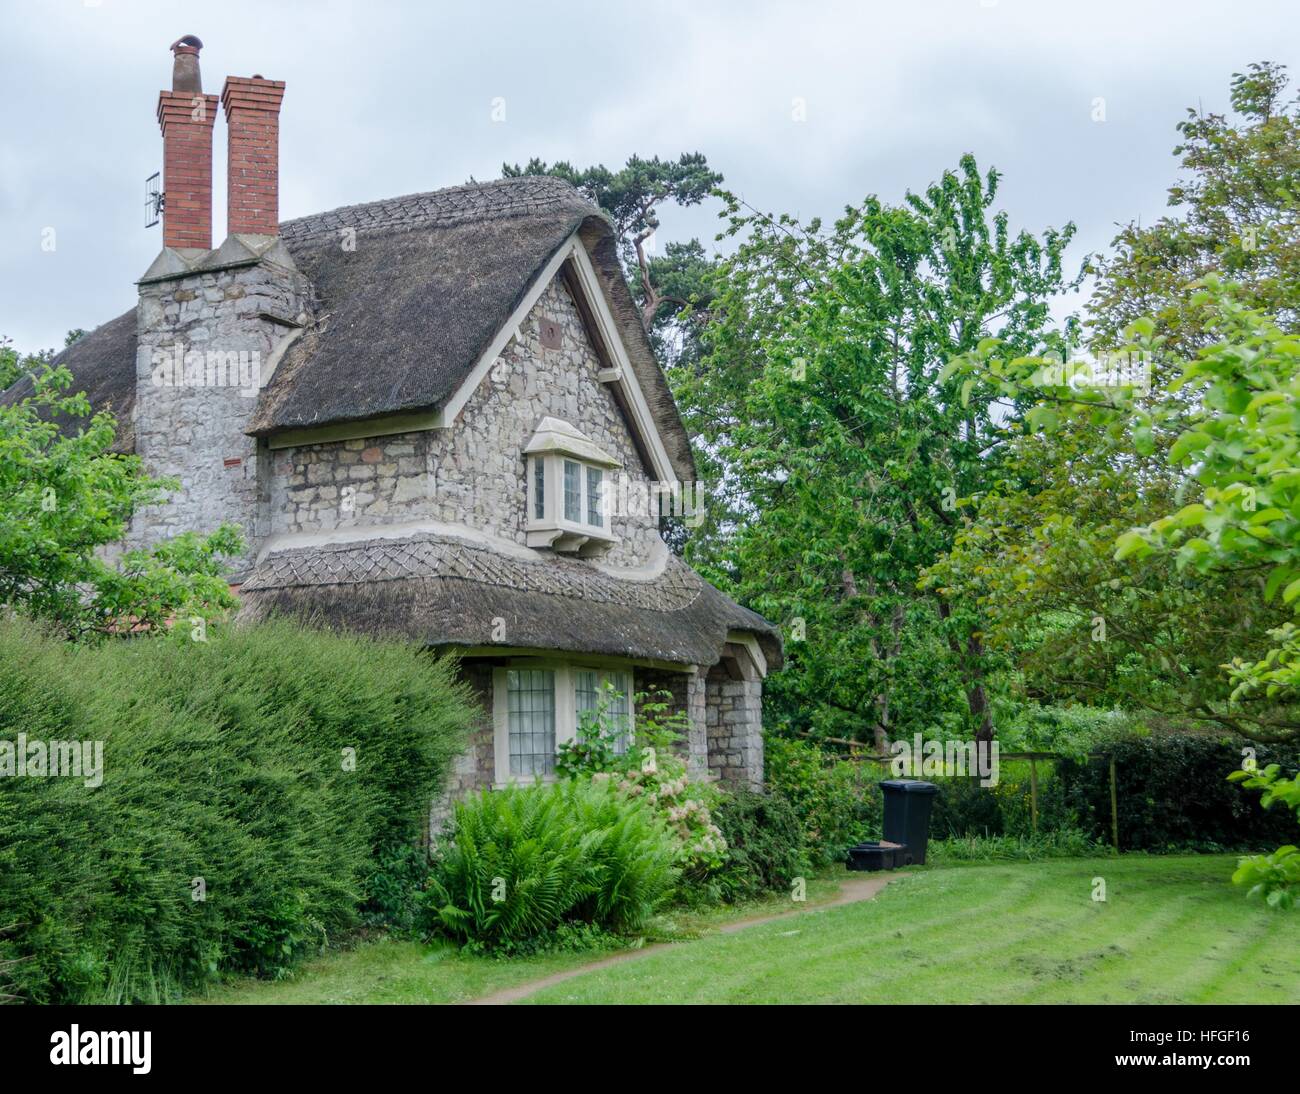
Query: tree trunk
x=968 y=660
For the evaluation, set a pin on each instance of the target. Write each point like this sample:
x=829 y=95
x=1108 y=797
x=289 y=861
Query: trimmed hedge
x=226 y=777
x=1172 y=790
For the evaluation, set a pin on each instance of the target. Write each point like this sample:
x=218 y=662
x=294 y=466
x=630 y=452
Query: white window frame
x=553 y=444
x=554 y=529
x=566 y=707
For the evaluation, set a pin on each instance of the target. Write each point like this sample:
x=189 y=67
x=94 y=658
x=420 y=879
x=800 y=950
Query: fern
x=522 y=861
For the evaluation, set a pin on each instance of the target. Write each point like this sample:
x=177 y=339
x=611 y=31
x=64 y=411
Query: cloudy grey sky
x=391 y=98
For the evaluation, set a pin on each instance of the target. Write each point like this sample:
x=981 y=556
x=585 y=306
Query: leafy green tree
x=840 y=448
x=66 y=500
x=1237 y=529
x=1038 y=549
x=1230 y=543
x=1236 y=214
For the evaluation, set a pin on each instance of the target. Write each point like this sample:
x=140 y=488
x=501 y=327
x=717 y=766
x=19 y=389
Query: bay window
x=567 y=484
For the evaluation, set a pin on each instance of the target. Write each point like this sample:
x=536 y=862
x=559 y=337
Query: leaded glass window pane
x=539 y=487
x=586 y=690
x=572 y=491
x=530 y=704
x=594 y=477
x=619 y=714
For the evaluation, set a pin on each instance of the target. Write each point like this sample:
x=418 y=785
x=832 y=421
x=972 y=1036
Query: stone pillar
x=734 y=720
x=475 y=768
x=697 y=707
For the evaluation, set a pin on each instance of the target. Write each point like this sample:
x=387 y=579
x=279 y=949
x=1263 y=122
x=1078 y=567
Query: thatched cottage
x=437 y=417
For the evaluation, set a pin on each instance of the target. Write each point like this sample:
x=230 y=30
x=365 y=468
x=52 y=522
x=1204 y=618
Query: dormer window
x=566 y=490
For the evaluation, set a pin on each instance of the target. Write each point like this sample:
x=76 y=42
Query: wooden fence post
x=1114 y=806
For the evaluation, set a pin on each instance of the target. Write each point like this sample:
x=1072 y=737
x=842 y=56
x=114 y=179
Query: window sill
x=565 y=537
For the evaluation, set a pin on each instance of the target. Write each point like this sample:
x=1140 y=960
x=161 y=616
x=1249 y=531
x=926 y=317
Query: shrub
x=521 y=861
x=652 y=769
x=765 y=844
x=1275 y=878
x=1173 y=794
x=233 y=829
x=837 y=801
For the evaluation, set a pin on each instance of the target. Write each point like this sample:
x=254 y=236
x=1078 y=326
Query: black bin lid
x=910 y=786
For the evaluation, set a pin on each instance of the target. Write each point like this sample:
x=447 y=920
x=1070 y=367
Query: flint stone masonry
x=475 y=768
x=473 y=471
x=195 y=431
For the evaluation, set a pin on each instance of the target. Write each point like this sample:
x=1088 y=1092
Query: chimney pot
x=185 y=64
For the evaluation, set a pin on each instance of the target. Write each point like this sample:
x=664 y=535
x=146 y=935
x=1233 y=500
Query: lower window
x=531 y=716
x=538 y=707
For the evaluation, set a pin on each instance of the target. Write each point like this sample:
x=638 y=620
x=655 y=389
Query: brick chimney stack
x=253 y=178
x=186 y=116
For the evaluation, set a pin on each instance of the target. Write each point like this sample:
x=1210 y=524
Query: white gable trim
x=642 y=419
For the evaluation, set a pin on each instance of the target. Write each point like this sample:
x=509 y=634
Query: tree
x=65 y=498
x=841 y=448
x=665 y=286
x=1237 y=216
x=1038 y=548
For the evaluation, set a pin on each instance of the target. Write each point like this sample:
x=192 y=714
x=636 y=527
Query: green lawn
x=1171 y=931
x=406 y=972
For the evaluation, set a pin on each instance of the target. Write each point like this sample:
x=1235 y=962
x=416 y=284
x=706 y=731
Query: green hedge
x=1173 y=794
x=1172 y=789
x=838 y=801
x=226 y=775
x=766 y=846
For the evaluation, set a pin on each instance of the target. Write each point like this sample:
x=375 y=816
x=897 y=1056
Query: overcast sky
x=387 y=98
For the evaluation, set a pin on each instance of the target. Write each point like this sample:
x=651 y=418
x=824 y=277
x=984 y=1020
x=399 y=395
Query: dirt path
x=852 y=891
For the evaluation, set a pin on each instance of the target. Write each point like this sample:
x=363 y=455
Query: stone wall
x=475 y=768
x=734 y=720
x=471 y=472
x=204 y=344
x=687 y=693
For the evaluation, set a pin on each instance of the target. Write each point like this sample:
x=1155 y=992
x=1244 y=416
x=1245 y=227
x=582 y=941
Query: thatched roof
x=445 y=591
x=103 y=365
x=402 y=318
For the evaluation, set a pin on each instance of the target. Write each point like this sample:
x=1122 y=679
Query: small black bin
x=907 y=817
x=875 y=855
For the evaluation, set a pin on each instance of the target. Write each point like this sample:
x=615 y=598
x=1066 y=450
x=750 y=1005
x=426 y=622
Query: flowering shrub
x=650 y=770
x=684 y=804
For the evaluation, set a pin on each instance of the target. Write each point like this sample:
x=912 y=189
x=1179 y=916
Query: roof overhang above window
x=555 y=436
